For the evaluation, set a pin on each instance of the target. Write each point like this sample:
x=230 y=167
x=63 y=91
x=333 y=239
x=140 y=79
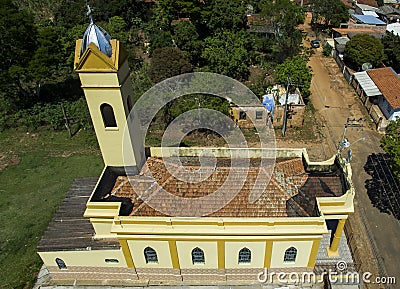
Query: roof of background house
x=367 y=84
x=368 y=19
x=388 y=83
x=391 y=1
x=346 y=31
x=365 y=7
x=348 y=3
x=394 y=27
x=290 y=192
x=372 y=3
x=372 y=13
x=386 y=9
x=342 y=40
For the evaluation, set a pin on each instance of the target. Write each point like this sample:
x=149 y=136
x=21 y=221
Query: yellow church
x=105 y=232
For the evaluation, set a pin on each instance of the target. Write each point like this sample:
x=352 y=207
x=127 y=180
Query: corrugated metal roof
x=342 y=40
x=372 y=13
x=364 y=7
x=394 y=27
x=368 y=19
x=367 y=84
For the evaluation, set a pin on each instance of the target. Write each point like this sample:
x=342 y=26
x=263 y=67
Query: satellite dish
x=366 y=66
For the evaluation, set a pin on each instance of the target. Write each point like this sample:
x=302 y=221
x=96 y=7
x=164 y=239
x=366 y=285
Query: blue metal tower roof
x=97 y=35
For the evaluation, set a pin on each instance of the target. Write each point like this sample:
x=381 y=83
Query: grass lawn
x=36 y=171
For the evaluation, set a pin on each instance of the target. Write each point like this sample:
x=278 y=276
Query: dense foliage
x=329 y=12
x=364 y=48
x=163 y=39
x=391 y=144
x=283 y=18
x=296 y=68
x=391 y=44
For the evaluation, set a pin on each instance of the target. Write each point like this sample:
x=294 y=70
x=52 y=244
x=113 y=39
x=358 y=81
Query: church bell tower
x=102 y=65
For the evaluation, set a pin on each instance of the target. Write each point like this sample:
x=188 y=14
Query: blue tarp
x=269 y=102
x=368 y=19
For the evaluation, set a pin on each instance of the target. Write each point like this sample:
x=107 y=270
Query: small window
x=111 y=260
x=150 y=255
x=244 y=256
x=107 y=113
x=290 y=255
x=61 y=264
x=278 y=119
x=198 y=256
x=259 y=114
x=242 y=115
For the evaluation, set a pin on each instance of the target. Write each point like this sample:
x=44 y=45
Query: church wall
x=302 y=258
x=232 y=252
x=210 y=254
x=161 y=247
x=94 y=258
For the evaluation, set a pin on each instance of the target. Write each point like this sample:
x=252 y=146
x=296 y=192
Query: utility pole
x=349 y=123
x=285 y=111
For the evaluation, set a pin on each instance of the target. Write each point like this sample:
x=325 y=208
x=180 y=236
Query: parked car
x=315 y=43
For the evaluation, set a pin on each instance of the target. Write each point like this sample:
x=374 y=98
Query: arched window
x=290 y=255
x=150 y=255
x=61 y=264
x=198 y=256
x=244 y=256
x=107 y=113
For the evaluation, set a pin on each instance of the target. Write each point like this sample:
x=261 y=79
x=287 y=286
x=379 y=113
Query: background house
x=379 y=90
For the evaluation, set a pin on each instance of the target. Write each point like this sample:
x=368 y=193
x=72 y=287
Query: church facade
x=106 y=233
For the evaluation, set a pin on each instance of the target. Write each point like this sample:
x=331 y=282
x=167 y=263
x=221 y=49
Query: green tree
x=167 y=62
x=364 y=48
x=329 y=12
x=228 y=15
x=187 y=39
x=283 y=17
x=296 y=68
x=391 y=44
x=391 y=144
x=47 y=58
x=18 y=43
x=228 y=53
x=175 y=9
x=129 y=10
x=159 y=39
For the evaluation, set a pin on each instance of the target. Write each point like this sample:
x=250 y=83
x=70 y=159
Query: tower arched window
x=61 y=264
x=198 y=256
x=290 y=255
x=107 y=113
x=244 y=256
x=150 y=255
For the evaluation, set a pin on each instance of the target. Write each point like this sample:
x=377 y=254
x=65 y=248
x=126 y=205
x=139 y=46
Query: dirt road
x=335 y=101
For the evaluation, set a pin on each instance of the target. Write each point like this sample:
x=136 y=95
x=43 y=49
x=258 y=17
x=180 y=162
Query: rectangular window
x=259 y=114
x=242 y=115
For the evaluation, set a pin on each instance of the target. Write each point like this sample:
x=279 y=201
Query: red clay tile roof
x=388 y=83
x=372 y=3
x=291 y=191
